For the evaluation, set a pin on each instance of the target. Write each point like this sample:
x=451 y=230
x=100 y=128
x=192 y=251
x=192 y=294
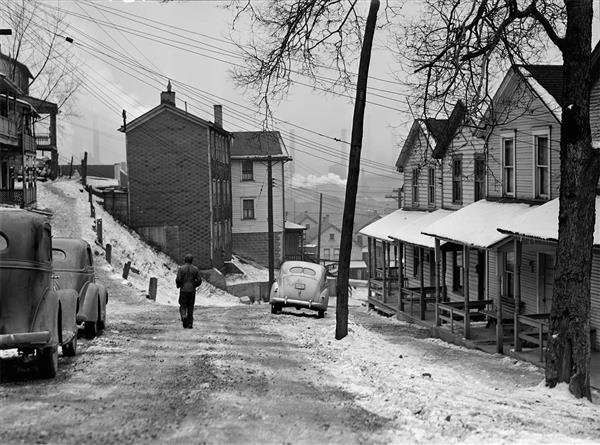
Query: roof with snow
x=392 y=224
x=432 y=129
x=475 y=225
x=289 y=225
x=546 y=82
x=257 y=144
x=411 y=232
x=542 y=223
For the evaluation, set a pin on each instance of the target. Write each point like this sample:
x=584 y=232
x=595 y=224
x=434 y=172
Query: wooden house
x=250 y=152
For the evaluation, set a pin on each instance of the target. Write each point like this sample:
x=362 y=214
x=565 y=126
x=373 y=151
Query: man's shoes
x=189 y=326
x=184 y=322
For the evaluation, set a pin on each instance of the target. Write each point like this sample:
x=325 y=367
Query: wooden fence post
x=126 y=268
x=108 y=253
x=99 y=231
x=152 y=288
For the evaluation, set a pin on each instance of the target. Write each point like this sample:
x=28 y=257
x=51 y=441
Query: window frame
x=415 y=187
x=431 y=186
x=332 y=236
x=326 y=253
x=246 y=217
x=479 y=180
x=504 y=137
x=457 y=272
x=247 y=176
x=457 y=186
x=537 y=135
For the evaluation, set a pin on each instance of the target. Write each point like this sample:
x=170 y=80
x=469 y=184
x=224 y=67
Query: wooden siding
x=466 y=145
x=523 y=125
x=595 y=307
x=420 y=159
x=595 y=111
x=256 y=190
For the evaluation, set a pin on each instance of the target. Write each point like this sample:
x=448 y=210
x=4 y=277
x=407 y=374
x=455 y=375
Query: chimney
x=218 y=115
x=168 y=97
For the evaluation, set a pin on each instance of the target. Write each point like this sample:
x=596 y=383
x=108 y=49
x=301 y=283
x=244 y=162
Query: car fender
x=46 y=316
x=102 y=292
x=274 y=290
x=324 y=297
x=69 y=302
x=89 y=307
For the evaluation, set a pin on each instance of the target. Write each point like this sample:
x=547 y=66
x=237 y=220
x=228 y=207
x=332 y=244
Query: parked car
x=300 y=284
x=73 y=264
x=34 y=316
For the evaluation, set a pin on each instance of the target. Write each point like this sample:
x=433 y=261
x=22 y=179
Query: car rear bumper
x=25 y=339
x=311 y=304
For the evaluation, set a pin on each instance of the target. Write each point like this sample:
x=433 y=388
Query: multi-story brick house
x=250 y=152
x=18 y=115
x=180 y=182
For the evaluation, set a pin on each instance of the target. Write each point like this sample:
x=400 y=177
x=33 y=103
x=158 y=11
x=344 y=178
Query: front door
x=546 y=285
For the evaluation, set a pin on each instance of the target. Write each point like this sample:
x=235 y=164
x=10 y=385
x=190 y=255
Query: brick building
x=180 y=182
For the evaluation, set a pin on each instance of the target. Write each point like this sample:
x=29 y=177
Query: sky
x=126 y=51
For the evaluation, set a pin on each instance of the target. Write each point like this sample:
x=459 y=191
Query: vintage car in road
x=34 y=316
x=300 y=284
x=73 y=265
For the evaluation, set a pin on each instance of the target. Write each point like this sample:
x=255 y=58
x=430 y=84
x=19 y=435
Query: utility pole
x=319 y=228
x=84 y=169
x=341 y=310
x=271 y=246
x=397 y=196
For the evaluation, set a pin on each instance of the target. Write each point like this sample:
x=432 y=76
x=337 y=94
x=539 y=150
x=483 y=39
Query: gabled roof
x=453 y=123
x=550 y=77
x=251 y=144
x=432 y=129
x=20 y=65
x=168 y=108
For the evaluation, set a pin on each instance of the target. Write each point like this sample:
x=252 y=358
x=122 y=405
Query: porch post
x=384 y=246
x=517 y=291
x=444 y=287
x=401 y=274
x=466 y=261
x=422 y=283
x=438 y=251
x=369 y=266
x=498 y=304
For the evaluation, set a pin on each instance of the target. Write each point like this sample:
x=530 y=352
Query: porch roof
x=542 y=223
x=411 y=232
x=392 y=224
x=476 y=224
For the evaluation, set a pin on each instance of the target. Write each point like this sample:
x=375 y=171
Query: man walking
x=188 y=279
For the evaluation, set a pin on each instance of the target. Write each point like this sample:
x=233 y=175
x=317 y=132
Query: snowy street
x=243 y=375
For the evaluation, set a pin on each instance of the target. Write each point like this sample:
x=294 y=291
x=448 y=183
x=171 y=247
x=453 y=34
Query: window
x=416 y=261
x=247 y=170
x=508 y=166
x=307 y=226
x=542 y=165
x=326 y=254
x=457 y=180
x=509 y=274
x=332 y=236
x=479 y=177
x=431 y=186
x=415 y=187
x=247 y=208
x=457 y=273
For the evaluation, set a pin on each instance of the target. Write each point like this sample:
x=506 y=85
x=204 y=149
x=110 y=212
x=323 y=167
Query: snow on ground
x=126 y=246
x=251 y=273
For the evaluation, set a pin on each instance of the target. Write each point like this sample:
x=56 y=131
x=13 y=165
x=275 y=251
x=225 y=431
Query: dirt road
x=147 y=380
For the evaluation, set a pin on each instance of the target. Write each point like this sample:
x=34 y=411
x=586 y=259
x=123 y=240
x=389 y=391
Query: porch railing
x=21 y=198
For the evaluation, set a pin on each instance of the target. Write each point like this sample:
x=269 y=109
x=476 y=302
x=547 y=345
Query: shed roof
x=411 y=232
x=257 y=144
x=542 y=223
x=289 y=225
x=475 y=225
x=392 y=223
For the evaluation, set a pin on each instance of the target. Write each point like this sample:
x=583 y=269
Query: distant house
x=311 y=224
x=250 y=152
x=180 y=182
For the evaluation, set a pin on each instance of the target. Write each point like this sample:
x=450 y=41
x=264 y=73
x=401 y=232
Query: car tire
x=321 y=314
x=274 y=309
x=90 y=329
x=70 y=349
x=48 y=361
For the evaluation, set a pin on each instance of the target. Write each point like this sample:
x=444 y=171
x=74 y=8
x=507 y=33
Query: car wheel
x=48 y=361
x=321 y=314
x=274 y=309
x=70 y=349
x=90 y=329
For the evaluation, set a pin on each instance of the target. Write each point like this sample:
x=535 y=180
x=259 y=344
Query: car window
x=45 y=246
x=58 y=255
x=295 y=269
x=89 y=257
x=3 y=242
x=308 y=271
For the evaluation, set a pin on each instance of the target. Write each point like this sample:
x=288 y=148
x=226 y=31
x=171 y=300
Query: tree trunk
x=568 y=353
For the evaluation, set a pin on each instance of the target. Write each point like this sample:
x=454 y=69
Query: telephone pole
x=271 y=244
x=319 y=229
x=341 y=310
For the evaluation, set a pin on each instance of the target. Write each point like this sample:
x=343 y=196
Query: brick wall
x=169 y=185
x=256 y=246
